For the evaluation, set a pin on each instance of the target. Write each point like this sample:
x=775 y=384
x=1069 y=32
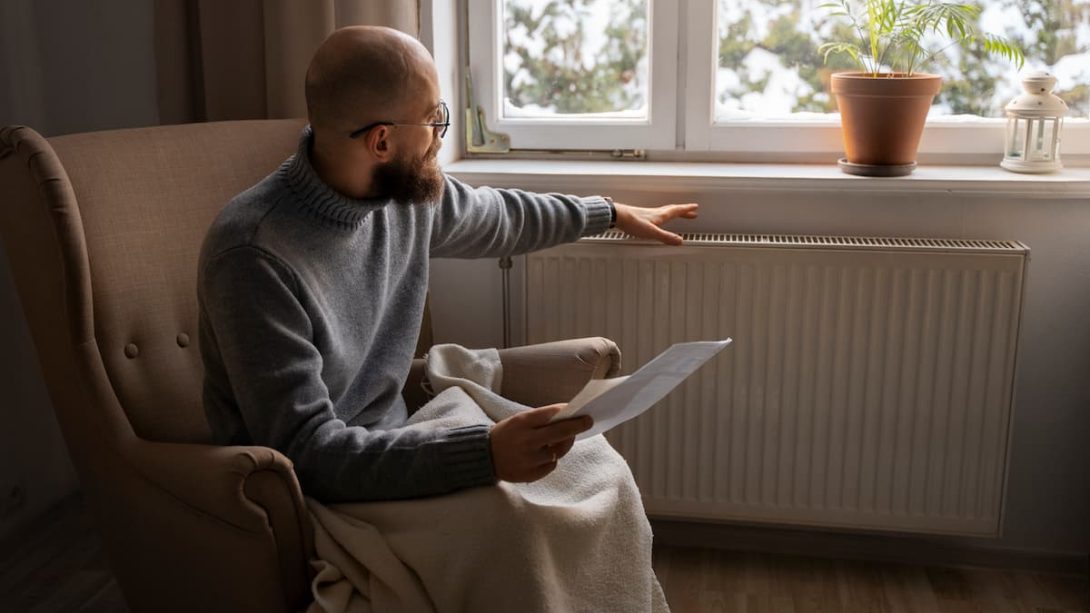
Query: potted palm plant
x=883 y=106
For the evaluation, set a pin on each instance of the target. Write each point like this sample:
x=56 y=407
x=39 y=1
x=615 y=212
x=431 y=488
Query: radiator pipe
x=505 y=276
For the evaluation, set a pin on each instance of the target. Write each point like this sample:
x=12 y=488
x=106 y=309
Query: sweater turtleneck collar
x=316 y=196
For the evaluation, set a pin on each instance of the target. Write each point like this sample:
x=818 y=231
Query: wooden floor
x=710 y=581
x=57 y=565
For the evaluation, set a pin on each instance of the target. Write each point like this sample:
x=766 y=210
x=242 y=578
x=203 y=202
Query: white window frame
x=683 y=121
x=941 y=136
x=658 y=131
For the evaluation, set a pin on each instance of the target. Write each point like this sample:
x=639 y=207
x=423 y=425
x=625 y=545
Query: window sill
x=590 y=176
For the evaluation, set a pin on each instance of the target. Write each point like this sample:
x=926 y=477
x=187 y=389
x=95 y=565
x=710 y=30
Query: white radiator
x=869 y=385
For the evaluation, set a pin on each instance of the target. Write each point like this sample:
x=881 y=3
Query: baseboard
x=931 y=551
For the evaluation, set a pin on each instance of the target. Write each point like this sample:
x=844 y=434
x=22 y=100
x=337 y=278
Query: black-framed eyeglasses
x=435 y=125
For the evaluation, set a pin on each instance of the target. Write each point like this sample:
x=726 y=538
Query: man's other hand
x=526 y=447
x=643 y=222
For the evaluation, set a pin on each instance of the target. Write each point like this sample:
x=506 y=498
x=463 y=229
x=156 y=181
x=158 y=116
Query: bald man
x=312 y=285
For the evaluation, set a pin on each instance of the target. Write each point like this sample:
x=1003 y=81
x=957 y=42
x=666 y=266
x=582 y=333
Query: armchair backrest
x=103 y=231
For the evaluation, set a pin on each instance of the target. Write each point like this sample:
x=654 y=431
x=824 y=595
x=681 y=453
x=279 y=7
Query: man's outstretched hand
x=644 y=222
x=526 y=447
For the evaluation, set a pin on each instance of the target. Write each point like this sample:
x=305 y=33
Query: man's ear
x=379 y=143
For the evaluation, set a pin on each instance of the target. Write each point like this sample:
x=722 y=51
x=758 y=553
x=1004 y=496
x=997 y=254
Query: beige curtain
x=246 y=59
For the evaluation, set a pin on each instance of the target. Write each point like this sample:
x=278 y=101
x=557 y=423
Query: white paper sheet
x=614 y=401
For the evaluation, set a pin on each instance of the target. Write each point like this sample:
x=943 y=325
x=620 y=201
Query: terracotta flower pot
x=882 y=117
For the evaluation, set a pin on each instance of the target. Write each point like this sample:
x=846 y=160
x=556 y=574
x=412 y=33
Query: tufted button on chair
x=102 y=233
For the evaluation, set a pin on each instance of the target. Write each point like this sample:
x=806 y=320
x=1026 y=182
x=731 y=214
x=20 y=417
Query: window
x=587 y=74
x=605 y=74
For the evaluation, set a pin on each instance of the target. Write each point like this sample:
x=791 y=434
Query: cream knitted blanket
x=577 y=540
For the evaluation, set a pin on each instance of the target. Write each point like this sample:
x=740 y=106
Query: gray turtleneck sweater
x=310 y=304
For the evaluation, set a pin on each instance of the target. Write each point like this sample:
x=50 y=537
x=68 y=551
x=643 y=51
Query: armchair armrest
x=547 y=373
x=213 y=479
x=253 y=489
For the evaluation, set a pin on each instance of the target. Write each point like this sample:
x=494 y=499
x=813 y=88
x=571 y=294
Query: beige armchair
x=102 y=231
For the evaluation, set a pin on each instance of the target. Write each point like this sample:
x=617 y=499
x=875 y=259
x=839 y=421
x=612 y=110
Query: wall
x=65 y=66
x=1048 y=498
x=69 y=66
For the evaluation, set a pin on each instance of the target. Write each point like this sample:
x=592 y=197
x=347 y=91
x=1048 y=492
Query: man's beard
x=410 y=181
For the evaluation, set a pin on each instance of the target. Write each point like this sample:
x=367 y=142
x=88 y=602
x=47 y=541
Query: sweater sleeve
x=262 y=334
x=488 y=222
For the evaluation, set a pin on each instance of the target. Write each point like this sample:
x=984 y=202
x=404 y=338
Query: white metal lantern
x=1034 y=121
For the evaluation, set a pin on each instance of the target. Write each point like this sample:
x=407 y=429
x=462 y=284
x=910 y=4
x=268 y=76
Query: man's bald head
x=362 y=74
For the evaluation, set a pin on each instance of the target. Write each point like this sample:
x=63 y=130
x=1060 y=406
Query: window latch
x=479 y=139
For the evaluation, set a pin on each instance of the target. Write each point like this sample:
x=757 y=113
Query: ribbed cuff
x=466 y=457
x=598 y=215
